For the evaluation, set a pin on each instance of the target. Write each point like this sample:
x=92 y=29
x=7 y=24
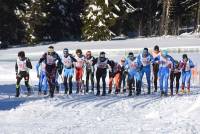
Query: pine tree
x=97 y=20
x=12 y=30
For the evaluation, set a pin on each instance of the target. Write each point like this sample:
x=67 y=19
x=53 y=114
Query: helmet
x=21 y=54
x=156 y=48
x=79 y=51
x=88 y=54
x=164 y=52
x=102 y=54
x=65 y=51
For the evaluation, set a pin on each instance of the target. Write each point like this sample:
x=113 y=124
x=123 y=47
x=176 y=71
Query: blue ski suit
x=43 y=84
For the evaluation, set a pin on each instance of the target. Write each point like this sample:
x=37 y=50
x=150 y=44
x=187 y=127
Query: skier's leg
x=178 y=75
x=166 y=77
x=92 y=81
x=155 y=72
x=26 y=78
x=19 y=78
x=104 y=83
x=183 y=81
x=172 y=76
x=98 y=76
x=188 y=77
x=87 y=80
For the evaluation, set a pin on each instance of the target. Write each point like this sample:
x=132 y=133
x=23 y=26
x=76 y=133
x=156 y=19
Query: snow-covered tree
x=97 y=20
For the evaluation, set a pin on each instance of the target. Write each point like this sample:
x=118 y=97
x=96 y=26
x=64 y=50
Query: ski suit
x=102 y=65
x=115 y=73
x=53 y=64
x=165 y=63
x=134 y=73
x=22 y=67
x=41 y=73
x=89 y=73
x=175 y=74
x=146 y=68
x=186 y=73
x=68 y=72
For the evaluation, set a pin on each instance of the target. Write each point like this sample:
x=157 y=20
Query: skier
x=22 y=66
x=102 y=65
x=134 y=73
x=89 y=71
x=155 y=54
x=68 y=72
x=41 y=74
x=165 y=63
x=175 y=74
x=186 y=65
x=114 y=73
x=123 y=75
x=145 y=60
x=79 y=66
x=53 y=64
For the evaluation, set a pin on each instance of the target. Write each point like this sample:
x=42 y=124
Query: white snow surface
x=88 y=114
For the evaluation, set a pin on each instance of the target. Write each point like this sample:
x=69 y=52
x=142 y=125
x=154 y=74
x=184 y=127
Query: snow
x=112 y=114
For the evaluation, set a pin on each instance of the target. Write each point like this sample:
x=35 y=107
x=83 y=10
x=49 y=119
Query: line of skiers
x=128 y=73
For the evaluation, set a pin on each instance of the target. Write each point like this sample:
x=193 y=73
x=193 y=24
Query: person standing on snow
x=175 y=74
x=41 y=74
x=134 y=73
x=114 y=73
x=53 y=64
x=156 y=52
x=145 y=60
x=186 y=65
x=79 y=66
x=165 y=64
x=102 y=64
x=68 y=71
x=22 y=66
x=89 y=71
x=123 y=75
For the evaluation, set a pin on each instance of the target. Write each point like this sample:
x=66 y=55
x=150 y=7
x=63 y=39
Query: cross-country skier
x=79 y=66
x=102 y=64
x=156 y=52
x=41 y=74
x=175 y=74
x=89 y=71
x=123 y=75
x=145 y=59
x=53 y=64
x=68 y=71
x=186 y=65
x=134 y=73
x=165 y=64
x=114 y=73
x=22 y=67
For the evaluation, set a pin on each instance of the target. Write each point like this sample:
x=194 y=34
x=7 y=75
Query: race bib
x=50 y=60
x=67 y=62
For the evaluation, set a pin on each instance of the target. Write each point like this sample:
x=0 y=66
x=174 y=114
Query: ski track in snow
x=89 y=114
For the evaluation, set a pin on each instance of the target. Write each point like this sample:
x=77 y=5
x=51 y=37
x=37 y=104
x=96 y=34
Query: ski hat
x=185 y=56
x=102 y=54
x=130 y=54
x=21 y=54
x=145 y=51
x=164 y=53
x=88 y=54
x=79 y=51
x=65 y=50
x=156 y=48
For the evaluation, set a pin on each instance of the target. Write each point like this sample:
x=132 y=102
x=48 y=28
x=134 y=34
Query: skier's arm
x=16 y=68
x=73 y=59
x=42 y=58
x=191 y=64
x=94 y=61
x=28 y=63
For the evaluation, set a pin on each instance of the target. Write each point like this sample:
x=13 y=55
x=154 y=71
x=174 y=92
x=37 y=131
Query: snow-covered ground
x=113 y=114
